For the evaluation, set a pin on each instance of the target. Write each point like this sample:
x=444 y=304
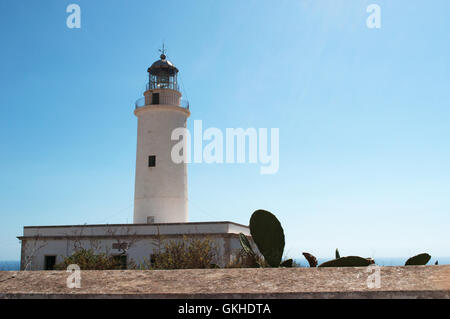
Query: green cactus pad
x=350 y=261
x=312 y=260
x=246 y=244
x=419 y=260
x=337 y=254
x=268 y=236
x=287 y=263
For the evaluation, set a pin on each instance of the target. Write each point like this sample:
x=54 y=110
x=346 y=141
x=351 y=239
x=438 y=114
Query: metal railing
x=158 y=85
x=141 y=103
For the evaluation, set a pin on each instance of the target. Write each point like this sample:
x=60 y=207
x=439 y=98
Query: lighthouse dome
x=162 y=66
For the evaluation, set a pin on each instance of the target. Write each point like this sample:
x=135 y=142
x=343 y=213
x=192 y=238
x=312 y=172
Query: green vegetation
x=246 y=246
x=245 y=260
x=288 y=263
x=419 y=260
x=337 y=254
x=87 y=259
x=312 y=260
x=189 y=253
x=265 y=248
x=268 y=236
x=350 y=261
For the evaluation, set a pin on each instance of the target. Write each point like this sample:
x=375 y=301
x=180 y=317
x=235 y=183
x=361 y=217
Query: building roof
x=135 y=230
x=162 y=66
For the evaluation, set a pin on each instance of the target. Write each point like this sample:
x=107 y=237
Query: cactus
x=246 y=245
x=337 y=254
x=350 y=261
x=419 y=260
x=268 y=236
x=312 y=261
x=287 y=263
x=248 y=250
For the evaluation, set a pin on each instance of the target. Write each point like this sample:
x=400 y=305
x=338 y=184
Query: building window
x=155 y=98
x=152 y=161
x=49 y=262
x=121 y=261
x=150 y=219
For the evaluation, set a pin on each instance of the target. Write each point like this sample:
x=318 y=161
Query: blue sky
x=363 y=115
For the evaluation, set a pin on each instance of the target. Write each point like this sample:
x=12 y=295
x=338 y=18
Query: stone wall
x=395 y=282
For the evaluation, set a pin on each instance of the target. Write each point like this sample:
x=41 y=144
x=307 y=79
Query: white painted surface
x=160 y=191
x=138 y=229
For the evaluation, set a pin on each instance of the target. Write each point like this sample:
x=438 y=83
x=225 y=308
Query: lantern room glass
x=163 y=81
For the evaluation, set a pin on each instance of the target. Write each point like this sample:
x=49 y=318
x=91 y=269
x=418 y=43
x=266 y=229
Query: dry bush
x=189 y=253
x=87 y=259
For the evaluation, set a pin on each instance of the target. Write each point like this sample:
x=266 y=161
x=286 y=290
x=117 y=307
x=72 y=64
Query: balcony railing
x=141 y=103
x=162 y=85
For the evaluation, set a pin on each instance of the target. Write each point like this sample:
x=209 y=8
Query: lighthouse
x=160 y=197
x=161 y=184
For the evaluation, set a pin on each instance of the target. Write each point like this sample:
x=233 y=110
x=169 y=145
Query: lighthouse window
x=152 y=161
x=163 y=81
x=155 y=98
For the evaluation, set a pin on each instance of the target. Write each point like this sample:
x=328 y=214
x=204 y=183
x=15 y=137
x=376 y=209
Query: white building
x=161 y=196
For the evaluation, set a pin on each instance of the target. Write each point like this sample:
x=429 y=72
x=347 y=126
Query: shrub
x=189 y=253
x=87 y=259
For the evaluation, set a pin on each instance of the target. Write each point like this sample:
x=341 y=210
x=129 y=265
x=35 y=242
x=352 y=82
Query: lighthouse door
x=155 y=98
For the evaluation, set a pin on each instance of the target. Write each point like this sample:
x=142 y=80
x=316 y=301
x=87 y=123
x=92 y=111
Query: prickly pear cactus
x=371 y=261
x=312 y=261
x=350 y=261
x=419 y=260
x=246 y=244
x=337 y=254
x=268 y=236
x=287 y=263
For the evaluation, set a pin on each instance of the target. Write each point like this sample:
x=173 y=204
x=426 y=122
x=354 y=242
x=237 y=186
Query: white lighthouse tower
x=161 y=185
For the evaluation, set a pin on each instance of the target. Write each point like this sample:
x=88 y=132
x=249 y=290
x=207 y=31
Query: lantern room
x=163 y=75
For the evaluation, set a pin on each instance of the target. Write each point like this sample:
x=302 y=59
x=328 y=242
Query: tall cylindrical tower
x=160 y=194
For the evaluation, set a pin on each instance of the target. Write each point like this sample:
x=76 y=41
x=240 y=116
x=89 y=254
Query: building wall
x=139 y=252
